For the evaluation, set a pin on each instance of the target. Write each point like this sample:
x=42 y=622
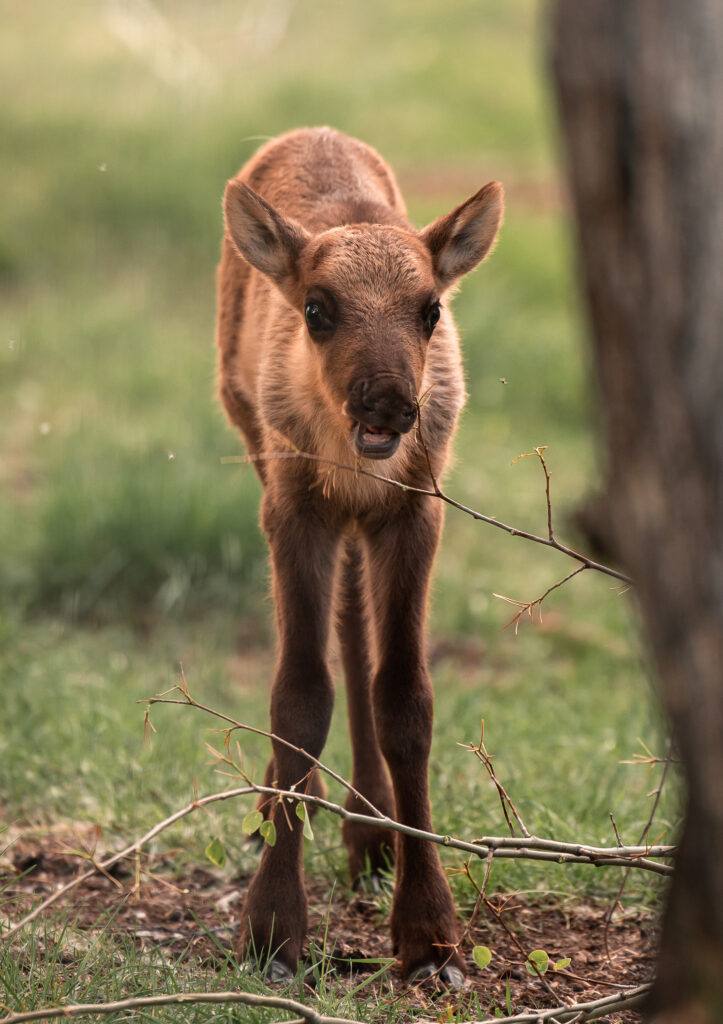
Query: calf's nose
x=385 y=402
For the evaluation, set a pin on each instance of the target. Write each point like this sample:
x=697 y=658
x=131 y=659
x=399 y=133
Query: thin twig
x=480 y=752
x=423 y=443
x=643 y=835
x=538 y=452
x=589 y=563
x=190 y=701
x=526 y=607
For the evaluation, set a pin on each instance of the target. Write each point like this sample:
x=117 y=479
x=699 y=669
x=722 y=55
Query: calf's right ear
x=269 y=241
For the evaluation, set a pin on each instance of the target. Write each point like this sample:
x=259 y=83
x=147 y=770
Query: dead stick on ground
x=305 y=1013
x=504 y=847
x=575 y=1012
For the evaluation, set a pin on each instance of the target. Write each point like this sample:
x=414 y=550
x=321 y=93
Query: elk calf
x=332 y=325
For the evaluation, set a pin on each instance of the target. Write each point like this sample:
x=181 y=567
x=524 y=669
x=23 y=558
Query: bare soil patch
x=198 y=913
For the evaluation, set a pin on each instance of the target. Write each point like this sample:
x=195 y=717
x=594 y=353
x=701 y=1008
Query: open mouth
x=374 y=442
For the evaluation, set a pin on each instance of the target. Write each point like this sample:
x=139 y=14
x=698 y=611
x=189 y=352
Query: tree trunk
x=640 y=92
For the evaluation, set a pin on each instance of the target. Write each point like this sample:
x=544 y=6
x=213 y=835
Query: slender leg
x=423 y=921
x=303 y=549
x=370 y=849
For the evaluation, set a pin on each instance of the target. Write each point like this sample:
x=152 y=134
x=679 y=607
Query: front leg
x=303 y=549
x=423 y=921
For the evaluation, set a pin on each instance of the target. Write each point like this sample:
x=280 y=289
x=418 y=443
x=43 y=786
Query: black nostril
x=410 y=413
x=365 y=387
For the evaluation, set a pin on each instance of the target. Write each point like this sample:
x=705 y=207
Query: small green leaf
x=562 y=964
x=303 y=815
x=268 y=832
x=252 y=822
x=216 y=853
x=482 y=956
x=538 y=959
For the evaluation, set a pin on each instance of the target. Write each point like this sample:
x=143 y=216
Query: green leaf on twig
x=216 y=853
x=537 y=962
x=252 y=822
x=303 y=815
x=482 y=956
x=268 y=832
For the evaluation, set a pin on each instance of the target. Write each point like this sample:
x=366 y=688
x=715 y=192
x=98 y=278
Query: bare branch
x=526 y=607
x=538 y=452
x=189 y=701
x=548 y=542
x=480 y=752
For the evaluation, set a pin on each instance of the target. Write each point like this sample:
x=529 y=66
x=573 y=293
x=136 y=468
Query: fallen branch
x=575 y=1012
x=305 y=1013
x=503 y=847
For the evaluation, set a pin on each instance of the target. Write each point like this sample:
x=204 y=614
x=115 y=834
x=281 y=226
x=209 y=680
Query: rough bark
x=640 y=92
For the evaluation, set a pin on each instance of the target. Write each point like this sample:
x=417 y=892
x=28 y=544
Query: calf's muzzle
x=383 y=409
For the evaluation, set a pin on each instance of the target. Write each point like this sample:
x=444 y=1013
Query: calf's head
x=368 y=298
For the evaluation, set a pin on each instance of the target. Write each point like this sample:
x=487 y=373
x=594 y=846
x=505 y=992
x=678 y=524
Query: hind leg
x=369 y=849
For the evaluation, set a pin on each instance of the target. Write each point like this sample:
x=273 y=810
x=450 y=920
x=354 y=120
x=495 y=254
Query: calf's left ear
x=461 y=239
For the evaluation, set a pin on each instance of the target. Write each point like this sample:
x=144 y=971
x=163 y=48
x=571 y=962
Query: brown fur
x=316 y=217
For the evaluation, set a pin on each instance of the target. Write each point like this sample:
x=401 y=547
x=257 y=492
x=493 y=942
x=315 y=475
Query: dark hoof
x=277 y=973
x=372 y=884
x=431 y=976
x=274 y=972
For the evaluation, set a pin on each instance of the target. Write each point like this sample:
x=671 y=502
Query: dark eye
x=318 y=318
x=314 y=313
x=431 y=318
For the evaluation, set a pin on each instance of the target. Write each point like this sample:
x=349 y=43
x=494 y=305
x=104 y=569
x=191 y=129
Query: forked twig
x=480 y=752
x=548 y=542
x=644 y=835
x=189 y=701
x=526 y=607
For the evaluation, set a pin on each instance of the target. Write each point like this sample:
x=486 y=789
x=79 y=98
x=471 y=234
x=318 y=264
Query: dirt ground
x=172 y=912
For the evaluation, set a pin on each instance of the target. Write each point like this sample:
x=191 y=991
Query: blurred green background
x=128 y=548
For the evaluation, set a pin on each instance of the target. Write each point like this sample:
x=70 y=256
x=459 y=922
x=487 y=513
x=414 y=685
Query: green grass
x=129 y=548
